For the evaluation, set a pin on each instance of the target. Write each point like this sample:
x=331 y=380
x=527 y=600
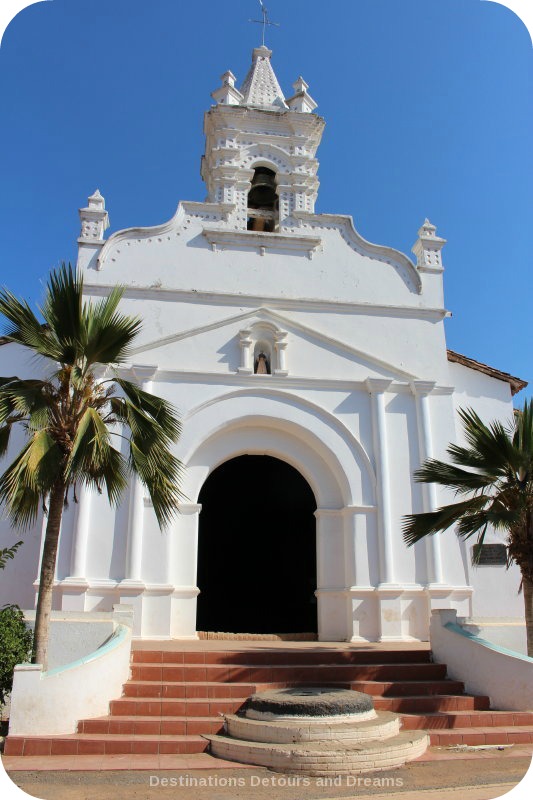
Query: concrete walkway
x=437 y=776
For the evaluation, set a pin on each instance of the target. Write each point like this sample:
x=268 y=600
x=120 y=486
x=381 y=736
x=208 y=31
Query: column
x=74 y=588
x=422 y=390
x=377 y=388
x=144 y=376
x=334 y=622
x=245 y=341
x=182 y=571
x=80 y=538
x=281 y=347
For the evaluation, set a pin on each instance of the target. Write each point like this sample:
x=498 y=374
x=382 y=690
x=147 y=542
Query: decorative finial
x=427 y=248
x=94 y=220
x=264 y=22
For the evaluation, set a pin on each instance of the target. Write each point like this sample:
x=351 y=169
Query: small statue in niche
x=262 y=364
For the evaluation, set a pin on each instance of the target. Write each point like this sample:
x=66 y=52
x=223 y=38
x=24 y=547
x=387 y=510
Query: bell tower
x=260 y=149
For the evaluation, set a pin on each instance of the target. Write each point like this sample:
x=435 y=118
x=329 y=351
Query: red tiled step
x=102 y=744
x=408 y=688
x=431 y=703
x=152 y=726
x=451 y=720
x=301 y=673
x=476 y=736
x=183 y=689
x=287 y=657
x=170 y=707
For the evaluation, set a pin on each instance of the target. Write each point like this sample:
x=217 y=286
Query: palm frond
x=24 y=327
x=108 y=334
x=161 y=474
x=158 y=409
x=61 y=311
x=112 y=473
x=489 y=445
x=21 y=396
x=5 y=435
x=416 y=526
x=8 y=553
x=30 y=477
x=434 y=471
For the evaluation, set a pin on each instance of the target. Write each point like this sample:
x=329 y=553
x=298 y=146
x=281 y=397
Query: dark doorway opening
x=257 y=549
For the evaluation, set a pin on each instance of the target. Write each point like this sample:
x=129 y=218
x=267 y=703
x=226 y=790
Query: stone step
x=139 y=726
x=103 y=744
x=432 y=703
x=320 y=758
x=478 y=736
x=450 y=720
x=285 y=731
x=299 y=673
x=282 y=657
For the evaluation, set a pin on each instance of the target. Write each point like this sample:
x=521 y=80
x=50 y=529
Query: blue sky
x=428 y=111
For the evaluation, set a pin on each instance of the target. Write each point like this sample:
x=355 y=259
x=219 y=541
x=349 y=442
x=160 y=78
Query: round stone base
x=310 y=702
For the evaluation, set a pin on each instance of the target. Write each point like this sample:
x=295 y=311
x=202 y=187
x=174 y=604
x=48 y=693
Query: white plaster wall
x=73 y=635
x=337 y=273
x=495 y=587
x=53 y=702
x=507 y=678
x=506 y=632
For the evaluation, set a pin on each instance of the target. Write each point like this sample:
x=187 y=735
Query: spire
x=261 y=87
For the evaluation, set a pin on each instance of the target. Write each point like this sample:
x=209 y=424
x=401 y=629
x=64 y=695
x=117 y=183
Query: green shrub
x=15 y=646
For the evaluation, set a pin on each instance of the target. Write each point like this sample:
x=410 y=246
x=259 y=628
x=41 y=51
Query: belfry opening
x=257 y=549
x=263 y=205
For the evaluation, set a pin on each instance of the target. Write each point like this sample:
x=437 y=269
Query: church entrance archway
x=257 y=549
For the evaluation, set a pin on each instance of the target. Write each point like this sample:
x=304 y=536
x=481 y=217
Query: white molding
x=345 y=511
x=173 y=225
x=246 y=380
x=243 y=240
x=168 y=294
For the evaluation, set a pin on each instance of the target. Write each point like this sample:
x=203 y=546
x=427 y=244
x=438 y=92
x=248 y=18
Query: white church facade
x=312 y=376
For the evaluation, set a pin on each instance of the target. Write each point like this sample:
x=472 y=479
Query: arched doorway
x=257 y=549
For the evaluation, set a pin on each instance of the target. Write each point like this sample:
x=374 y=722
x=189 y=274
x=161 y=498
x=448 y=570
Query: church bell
x=263 y=190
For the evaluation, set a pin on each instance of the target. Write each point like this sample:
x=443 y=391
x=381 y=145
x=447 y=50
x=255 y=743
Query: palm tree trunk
x=527 y=587
x=48 y=568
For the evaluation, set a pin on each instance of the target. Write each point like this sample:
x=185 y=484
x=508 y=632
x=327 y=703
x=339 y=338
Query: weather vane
x=265 y=21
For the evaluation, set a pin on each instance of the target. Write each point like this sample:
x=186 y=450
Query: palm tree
x=493 y=475
x=71 y=416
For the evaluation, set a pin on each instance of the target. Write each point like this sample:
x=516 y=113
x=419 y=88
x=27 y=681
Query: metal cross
x=265 y=21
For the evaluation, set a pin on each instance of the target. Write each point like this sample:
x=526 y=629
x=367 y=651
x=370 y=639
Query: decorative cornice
x=243 y=240
x=304 y=303
x=345 y=225
x=377 y=385
x=423 y=387
x=174 y=225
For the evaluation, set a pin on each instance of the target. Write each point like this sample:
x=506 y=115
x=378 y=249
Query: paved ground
x=462 y=778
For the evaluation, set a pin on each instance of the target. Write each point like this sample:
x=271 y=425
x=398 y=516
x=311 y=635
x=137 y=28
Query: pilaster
x=421 y=391
x=144 y=376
